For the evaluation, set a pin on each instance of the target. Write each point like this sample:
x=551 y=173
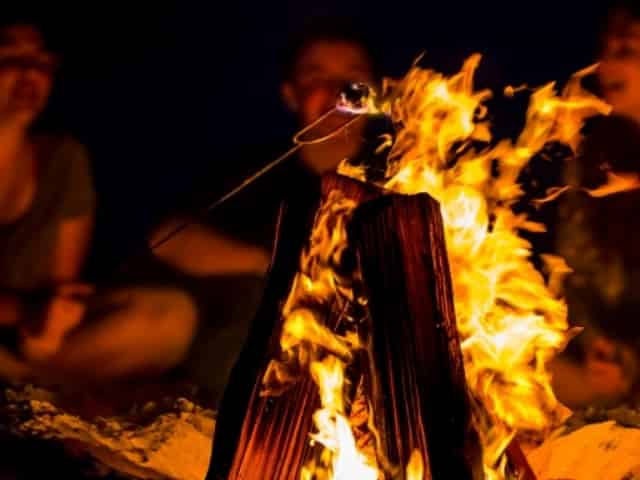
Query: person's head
x=323 y=61
x=619 y=73
x=26 y=74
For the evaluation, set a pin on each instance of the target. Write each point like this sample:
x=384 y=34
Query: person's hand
x=64 y=312
x=610 y=369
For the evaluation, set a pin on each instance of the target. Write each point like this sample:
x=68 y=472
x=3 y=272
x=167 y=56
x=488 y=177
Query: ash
x=168 y=439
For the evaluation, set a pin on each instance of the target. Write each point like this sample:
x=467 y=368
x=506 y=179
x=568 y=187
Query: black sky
x=160 y=94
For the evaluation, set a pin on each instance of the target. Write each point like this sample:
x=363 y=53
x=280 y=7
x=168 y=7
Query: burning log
x=423 y=395
x=413 y=373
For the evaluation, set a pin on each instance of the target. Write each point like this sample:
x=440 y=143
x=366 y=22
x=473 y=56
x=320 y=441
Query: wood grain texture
x=416 y=375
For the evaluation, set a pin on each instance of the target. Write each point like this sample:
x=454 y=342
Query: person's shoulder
x=65 y=171
x=253 y=157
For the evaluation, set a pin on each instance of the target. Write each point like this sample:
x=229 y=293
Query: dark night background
x=163 y=94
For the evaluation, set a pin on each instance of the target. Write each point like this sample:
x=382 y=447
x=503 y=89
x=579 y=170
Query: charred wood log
x=415 y=379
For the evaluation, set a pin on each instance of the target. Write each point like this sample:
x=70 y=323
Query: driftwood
x=415 y=377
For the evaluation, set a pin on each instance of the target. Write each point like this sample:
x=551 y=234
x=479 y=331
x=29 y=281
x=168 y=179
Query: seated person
x=599 y=237
x=46 y=199
x=225 y=278
x=52 y=326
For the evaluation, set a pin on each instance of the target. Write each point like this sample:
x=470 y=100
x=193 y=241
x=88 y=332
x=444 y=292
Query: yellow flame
x=510 y=321
x=307 y=341
x=334 y=430
x=415 y=467
x=616 y=183
x=552 y=194
x=316 y=287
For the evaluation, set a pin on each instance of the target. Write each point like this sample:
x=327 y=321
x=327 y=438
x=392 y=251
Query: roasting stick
x=298 y=144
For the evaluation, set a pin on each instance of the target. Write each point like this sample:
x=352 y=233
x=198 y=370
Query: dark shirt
x=600 y=236
x=251 y=216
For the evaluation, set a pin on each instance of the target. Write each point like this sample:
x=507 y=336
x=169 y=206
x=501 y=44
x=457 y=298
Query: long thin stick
x=298 y=144
x=246 y=182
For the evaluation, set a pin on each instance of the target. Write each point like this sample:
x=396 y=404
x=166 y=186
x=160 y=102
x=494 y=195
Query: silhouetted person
x=55 y=328
x=600 y=237
x=46 y=204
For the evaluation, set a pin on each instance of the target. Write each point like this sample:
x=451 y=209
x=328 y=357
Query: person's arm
x=72 y=245
x=76 y=215
x=200 y=250
x=70 y=251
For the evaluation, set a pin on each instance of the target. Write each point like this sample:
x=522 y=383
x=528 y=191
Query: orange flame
x=510 y=321
x=334 y=429
x=317 y=286
x=308 y=342
x=616 y=183
x=415 y=467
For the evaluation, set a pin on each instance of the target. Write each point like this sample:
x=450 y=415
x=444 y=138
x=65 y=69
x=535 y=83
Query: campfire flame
x=319 y=292
x=334 y=430
x=510 y=319
x=616 y=183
